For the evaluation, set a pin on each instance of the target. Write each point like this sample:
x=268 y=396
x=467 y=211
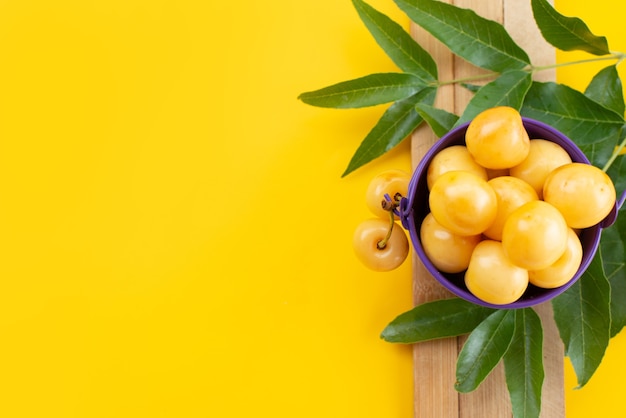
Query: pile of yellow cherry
x=506 y=210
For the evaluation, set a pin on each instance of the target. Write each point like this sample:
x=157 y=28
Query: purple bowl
x=414 y=209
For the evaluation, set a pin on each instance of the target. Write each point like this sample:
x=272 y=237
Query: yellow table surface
x=175 y=232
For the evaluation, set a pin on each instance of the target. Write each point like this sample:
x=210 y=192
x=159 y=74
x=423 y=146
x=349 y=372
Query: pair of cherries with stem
x=380 y=243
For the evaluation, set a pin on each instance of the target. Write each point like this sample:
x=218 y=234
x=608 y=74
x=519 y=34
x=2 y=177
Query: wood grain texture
x=435 y=361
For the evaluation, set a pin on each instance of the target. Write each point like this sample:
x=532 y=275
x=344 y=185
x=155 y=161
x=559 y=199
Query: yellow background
x=175 y=232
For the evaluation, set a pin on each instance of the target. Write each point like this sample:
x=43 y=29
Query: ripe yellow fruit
x=583 y=193
x=497 y=139
x=366 y=238
x=453 y=158
x=512 y=193
x=463 y=203
x=449 y=252
x=388 y=182
x=534 y=235
x=492 y=277
x=493 y=173
x=543 y=157
x=563 y=269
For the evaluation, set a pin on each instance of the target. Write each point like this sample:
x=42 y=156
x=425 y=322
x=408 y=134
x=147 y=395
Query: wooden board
x=435 y=361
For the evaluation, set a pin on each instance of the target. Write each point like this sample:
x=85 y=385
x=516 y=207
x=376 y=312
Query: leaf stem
x=616 y=152
x=618 y=56
x=477 y=77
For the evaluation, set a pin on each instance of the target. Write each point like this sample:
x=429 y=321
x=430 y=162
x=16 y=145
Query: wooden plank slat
x=435 y=361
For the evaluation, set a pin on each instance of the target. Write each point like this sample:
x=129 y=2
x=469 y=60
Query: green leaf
x=613 y=248
x=471 y=87
x=507 y=90
x=407 y=54
x=370 y=90
x=606 y=89
x=397 y=123
x=523 y=365
x=483 y=349
x=581 y=119
x=599 y=153
x=438 y=319
x=439 y=120
x=583 y=316
x=483 y=42
x=566 y=33
x=617 y=170
x=618 y=310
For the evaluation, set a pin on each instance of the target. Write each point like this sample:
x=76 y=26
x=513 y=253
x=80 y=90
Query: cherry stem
x=389 y=205
x=383 y=242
